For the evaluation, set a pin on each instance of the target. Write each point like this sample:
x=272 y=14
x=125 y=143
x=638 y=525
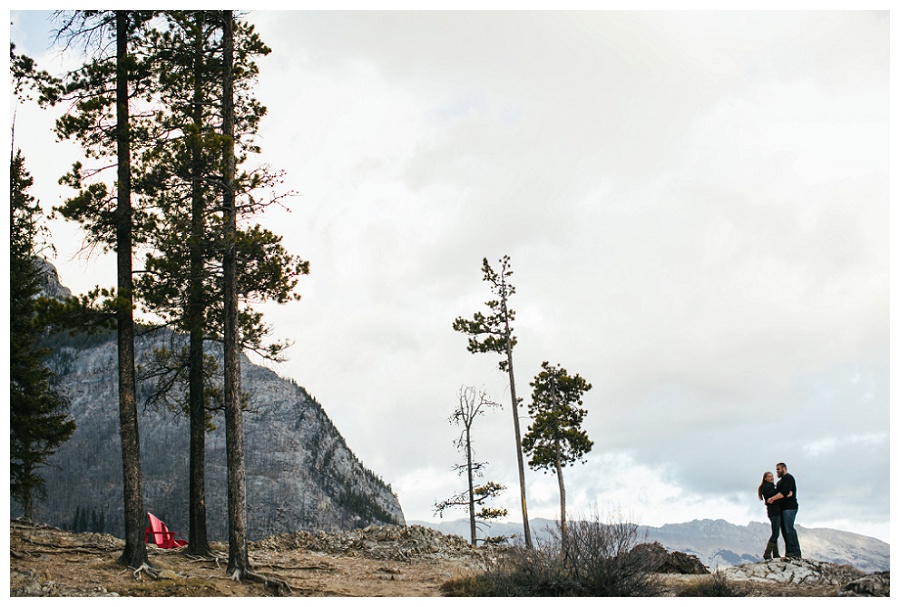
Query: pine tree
x=493 y=333
x=183 y=175
x=176 y=284
x=555 y=438
x=38 y=414
x=238 y=558
x=101 y=120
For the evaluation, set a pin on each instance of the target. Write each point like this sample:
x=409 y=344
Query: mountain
x=300 y=473
x=720 y=544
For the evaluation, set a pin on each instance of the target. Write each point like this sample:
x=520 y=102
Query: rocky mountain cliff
x=300 y=473
x=720 y=544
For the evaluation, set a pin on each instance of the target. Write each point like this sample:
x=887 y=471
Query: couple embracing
x=781 y=506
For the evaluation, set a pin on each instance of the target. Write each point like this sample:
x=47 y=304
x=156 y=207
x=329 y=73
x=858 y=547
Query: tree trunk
x=198 y=542
x=238 y=561
x=472 y=528
x=515 y=413
x=28 y=497
x=562 y=506
x=135 y=554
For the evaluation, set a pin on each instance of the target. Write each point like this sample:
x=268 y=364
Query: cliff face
x=300 y=473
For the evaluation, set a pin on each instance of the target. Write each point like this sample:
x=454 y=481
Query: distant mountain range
x=720 y=544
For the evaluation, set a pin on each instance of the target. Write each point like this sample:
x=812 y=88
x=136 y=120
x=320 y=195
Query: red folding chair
x=162 y=537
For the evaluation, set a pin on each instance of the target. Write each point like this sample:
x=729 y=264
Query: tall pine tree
x=183 y=175
x=238 y=558
x=176 y=284
x=38 y=414
x=102 y=94
x=494 y=333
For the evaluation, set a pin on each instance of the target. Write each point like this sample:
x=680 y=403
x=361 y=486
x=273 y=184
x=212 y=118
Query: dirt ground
x=49 y=562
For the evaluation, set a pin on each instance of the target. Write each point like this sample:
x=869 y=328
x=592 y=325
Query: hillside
x=300 y=472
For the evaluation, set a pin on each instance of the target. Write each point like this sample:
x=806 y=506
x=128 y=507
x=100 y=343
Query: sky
x=696 y=209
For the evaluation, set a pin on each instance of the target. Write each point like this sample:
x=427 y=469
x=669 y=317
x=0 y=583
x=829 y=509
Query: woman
x=766 y=490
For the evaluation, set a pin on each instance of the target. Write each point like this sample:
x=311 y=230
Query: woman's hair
x=759 y=490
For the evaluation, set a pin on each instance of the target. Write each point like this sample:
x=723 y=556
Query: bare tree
x=471 y=405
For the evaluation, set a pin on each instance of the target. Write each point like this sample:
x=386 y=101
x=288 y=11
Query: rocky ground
x=381 y=561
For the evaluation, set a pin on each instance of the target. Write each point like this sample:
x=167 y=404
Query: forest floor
x=375 y=562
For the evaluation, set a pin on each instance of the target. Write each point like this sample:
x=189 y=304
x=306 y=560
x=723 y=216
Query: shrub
x=715 y=585
x=598 y=559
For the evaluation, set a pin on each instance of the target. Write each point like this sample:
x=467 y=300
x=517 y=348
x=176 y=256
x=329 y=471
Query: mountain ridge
x=719 y=543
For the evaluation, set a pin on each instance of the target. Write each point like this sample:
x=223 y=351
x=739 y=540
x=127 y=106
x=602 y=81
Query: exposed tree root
x=145 y=569
x=321 y=567
x=59 y=548
x=281 y=587
x=246 y=575
x=213 y=557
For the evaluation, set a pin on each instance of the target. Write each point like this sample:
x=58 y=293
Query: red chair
x=162 y=537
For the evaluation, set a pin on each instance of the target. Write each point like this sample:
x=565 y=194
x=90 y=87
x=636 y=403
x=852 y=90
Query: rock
x=387 y=542
x=876 y=584
x=671 y=562
x=34 y=589
x=794 y=571
x=49 y=280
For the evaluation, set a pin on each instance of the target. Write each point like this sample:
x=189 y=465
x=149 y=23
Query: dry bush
x=597 y=560
x=715 y=585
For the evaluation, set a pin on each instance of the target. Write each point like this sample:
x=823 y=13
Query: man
x=787 y=498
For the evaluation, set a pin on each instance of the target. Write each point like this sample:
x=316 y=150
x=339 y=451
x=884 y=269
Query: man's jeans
x=791 y=543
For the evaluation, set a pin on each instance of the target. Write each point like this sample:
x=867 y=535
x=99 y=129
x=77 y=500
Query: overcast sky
x=696 y=206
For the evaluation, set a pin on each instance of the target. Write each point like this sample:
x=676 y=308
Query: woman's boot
x=769 y=547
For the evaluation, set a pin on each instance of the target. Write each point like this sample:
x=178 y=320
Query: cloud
x=696 y=206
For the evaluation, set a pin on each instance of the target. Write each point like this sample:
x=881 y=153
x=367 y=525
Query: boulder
x=671 y=562
x=876 y=584
x=794 y=571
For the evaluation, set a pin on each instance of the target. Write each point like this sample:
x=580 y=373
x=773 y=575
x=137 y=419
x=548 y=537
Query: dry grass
x=51 y=562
